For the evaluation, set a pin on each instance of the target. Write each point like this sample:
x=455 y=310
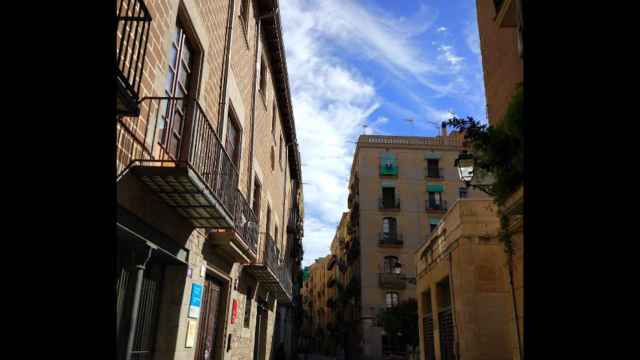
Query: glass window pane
x=173 y=54
x=169 y=81
x=184 y=77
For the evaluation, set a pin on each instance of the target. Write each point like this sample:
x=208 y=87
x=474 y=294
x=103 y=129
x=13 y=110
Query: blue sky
x=373 y=63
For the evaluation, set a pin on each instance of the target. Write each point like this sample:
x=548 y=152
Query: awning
x=435 y=188
x=432 y=155
x=434 y=221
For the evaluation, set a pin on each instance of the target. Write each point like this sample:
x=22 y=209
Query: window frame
x=232 y=121
x=389 y=295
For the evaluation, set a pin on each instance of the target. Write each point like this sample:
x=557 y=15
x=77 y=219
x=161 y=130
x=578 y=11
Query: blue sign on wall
x=196 y=301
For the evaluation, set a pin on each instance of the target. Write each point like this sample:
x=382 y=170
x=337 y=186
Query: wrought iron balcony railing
x=246 y=223
x=294 y=225
x=271 y=254
x=197 y=148
x=392 y=281
x=390 y=238
x=436 y=205
x=132 y=36
x=434 y=172
x=389 y=204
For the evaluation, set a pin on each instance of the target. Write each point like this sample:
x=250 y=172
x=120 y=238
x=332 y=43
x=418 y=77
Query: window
x=257 y=193
x=432 y=168
x=273 y=121
x=177 y=84
x=268 y=229
x=247 y=307
x=432 y=227
x=233 y=138
x=435 y=199
x=263 y=79
x=389 y=198
x=389 y=264
x=391 y=299
x=463 y=193
x=389 y=228
x=388 y=164
x=280 y=157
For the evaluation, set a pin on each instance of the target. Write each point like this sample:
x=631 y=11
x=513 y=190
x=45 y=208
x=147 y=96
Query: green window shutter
x=388 y=164
x=435 y=188
x=434 y=221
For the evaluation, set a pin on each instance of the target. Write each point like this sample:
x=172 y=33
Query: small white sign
x=191 y=333
x=203 y=270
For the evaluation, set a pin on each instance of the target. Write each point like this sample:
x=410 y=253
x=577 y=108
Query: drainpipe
x=253 y=110
x=225 y=68
x=136 y=303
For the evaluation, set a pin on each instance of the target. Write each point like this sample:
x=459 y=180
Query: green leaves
x=498 y=151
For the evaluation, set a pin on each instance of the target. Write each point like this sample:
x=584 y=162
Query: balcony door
x=389 y=228
x=177 y=85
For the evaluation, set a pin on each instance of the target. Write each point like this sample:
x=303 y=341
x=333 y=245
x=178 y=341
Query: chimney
x=444 y=128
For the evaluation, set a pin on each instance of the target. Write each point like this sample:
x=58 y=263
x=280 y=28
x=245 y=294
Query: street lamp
x=465 y=163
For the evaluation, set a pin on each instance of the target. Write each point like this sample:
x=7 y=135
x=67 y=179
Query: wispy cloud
x=333 y=96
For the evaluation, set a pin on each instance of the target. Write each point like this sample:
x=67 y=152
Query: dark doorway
x=260 y=337
x=207 y=346
x=147 y=314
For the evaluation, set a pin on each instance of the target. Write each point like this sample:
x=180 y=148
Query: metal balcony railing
x=271 y=254
x=199 y=147
x=431 y=205
x=132 y=36
x=390 y=238
x=388 y=203
x=246 y=223
x=434 y=172
x=392 y=281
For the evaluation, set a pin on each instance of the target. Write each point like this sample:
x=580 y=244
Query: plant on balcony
x=498 y=152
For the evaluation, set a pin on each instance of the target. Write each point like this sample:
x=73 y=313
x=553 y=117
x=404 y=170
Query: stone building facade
x=400 y=188
x=500 y=25
x=209 y=195
x=464 y=300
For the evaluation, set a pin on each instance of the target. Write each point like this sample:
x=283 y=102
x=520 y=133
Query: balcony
x=272 y=274
x=434 y=173
x=392 y=281
x=241 y=242
x=294 y=225
x=191 y=173
x=390 y=239
x=331 y=263
x=132 y=35
x=506 y=14
x=354 y=252
x=436 y=207
x=388 y=204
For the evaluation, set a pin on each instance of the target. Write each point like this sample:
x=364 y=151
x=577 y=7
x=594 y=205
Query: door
x=147 y=317
x=177 y=84
x=208 y=327
x=260 y=334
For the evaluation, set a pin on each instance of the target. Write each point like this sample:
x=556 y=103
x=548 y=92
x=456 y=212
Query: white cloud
x=447 y=54
x=331 y=102
x=441 y=29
